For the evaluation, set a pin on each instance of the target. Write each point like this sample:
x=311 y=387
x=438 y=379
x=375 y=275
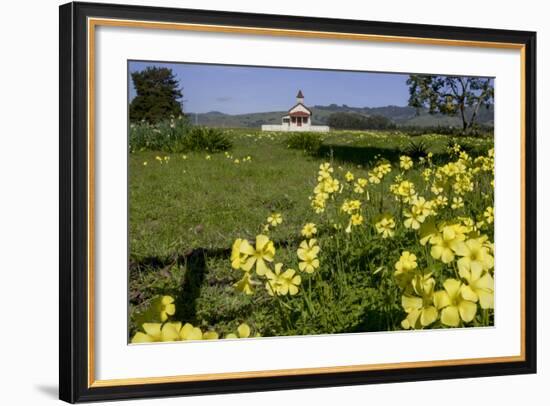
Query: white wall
x=29 y=221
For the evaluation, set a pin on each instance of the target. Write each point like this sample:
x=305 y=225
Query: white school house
x=298 y=118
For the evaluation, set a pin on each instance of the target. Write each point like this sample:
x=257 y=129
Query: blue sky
x=243 y=89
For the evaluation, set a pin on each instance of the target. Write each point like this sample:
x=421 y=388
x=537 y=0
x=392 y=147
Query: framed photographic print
x=257 y=202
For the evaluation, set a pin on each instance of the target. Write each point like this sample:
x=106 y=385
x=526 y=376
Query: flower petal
x=450 y=316
x=140 y=337
x=467 y=310
x=428 y=315
x=486 y=299
x=468 y=293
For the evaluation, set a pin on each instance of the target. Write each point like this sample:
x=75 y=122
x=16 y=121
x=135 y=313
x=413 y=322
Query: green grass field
x=186 y=210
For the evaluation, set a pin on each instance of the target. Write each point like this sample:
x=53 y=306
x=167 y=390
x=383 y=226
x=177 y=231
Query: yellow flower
x=349 y=176
x=307 y=253
x=454 y=307
x=418 y=212
x=405 y=189
x=237 y=257
x=309 y=230
x=414 y=219
x=457 y=203
x=356 y=219
x=245 y=285
x=489 y=215
x=386 y=226
x=441 y=201
x=445 y=244
x=275 y=219
x=480 y=287
x=350 y=206
x=236 y=161
x=243 y=331
x=419 y=303
x=188 y=332
x=325 y=167
x=184 y=157
x=210 y=335
x=156 y=332
x=475 y=256
x=406 y=264
x=262 y=252
x=167 y=307
x=331 y=185
x=375 y=177
x=144 y=163
x=359 y=186
x=282 y=283
x=405 y=162
x=208 y=157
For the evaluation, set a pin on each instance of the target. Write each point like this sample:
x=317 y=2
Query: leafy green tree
x=355 y=121
x=157 y=95
x=451 y=95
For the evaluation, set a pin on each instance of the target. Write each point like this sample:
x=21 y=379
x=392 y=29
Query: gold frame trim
x=94 y=22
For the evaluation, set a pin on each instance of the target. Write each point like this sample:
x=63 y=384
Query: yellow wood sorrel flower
x=237 y=257
x=167 y=307
x=245 y=285
x=454 y=307
x=419 y=303
x=307 y=253
x=282 y=283
x=445 y=244
x=275 y=219
x=155 y=332
x=405 y=162
x=243 y=331
x=386 y=226
x=404 y=267
x=262 y=252
x=475 y=256
x=309 y=230
x=189 y=332
x=479 y=287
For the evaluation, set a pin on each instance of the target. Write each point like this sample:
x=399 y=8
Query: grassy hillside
x=401 y=115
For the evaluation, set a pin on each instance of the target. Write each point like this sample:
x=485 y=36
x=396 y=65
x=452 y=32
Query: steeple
x=300 y=97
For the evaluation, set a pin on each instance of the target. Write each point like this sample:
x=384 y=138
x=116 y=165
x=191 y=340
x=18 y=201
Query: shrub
x=176 y=135
x=206 y=139
x=166 y=136
x=307 y=142
x=356 y=121
x=416 y=150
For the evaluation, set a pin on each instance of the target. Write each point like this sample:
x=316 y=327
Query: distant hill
x=400 y=115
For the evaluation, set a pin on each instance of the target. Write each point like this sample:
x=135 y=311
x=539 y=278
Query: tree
x=451 y=95
x=157 y=95
x=355 y=121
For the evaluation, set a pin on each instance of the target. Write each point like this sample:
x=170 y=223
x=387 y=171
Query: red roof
x=299 y=114
x=300 y=95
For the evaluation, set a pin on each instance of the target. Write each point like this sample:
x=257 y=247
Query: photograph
x=278 y=201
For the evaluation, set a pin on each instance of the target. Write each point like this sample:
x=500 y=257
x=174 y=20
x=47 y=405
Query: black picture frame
x=74 y=385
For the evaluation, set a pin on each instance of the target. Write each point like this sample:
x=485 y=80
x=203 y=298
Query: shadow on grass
x=358 y=155
x=366 y=155
x=195 y=272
